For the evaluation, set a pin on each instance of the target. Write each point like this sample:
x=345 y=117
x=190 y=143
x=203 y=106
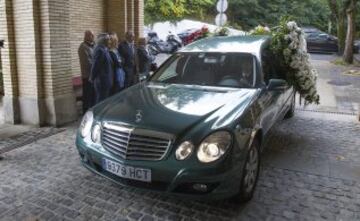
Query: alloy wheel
x=251 y=168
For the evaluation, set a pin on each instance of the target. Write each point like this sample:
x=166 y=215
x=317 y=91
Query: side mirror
x=277 y=84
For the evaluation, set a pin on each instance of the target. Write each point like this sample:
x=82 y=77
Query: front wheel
x=250 y=174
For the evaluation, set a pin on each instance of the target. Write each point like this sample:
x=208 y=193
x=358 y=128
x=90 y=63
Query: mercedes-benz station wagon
x=196 y=127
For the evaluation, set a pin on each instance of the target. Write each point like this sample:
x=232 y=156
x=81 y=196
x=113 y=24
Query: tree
x=175 y=10
x=338 y=11
x=250 y=13
x=244 y=14
x=348 y=56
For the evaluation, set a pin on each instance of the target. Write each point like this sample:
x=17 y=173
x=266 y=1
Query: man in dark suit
x=101 y=71
x=128 y=52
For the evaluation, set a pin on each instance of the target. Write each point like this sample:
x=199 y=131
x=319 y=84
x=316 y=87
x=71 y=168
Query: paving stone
x=47 y=215
x=135 y=215
x=46 y=179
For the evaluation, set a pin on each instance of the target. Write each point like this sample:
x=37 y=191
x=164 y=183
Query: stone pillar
x=130 y=14
x=26 y=56
x=7 y=33
x=139 y=18
x=116 y=15
x=60 y=103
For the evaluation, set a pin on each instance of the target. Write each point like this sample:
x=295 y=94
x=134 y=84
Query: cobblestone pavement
x=301 y=179
x=30 y=135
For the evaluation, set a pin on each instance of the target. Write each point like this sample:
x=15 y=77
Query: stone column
x=7 y=33
x=60 y=103
x=139 y=18
x=27 y=57
x=116 y=17
x=130 y=14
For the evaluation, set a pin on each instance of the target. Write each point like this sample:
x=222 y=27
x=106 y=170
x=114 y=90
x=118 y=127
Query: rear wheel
x=250 y=174
x=291 y=111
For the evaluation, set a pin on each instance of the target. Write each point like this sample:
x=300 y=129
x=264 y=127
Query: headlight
x=214 y=146
x=96 y=134
x=184 y=150
x=86 y=123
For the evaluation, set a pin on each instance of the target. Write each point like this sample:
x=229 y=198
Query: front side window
x=209 y=69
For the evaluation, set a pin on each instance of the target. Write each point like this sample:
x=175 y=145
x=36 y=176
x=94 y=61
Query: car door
x=268 y=103
x=311 y=42
x=326 y=43
x=285 y=101
x=269 y=100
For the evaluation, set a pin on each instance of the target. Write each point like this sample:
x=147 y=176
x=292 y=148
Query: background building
x=40 y=58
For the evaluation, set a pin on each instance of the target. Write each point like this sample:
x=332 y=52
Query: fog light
x=200 y=187
x=96 y=134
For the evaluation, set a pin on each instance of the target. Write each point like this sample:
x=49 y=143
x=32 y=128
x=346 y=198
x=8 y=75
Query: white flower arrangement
x=288 y=45
x=298 y=59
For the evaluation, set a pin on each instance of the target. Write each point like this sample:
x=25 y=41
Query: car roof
x=227 y=44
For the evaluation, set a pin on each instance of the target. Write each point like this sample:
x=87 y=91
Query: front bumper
x=167 y=177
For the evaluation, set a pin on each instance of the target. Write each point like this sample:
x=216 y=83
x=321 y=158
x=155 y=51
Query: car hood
x=175 y=108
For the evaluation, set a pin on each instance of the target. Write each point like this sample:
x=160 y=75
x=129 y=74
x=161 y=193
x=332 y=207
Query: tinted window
x=270 y=66
x=209 y=69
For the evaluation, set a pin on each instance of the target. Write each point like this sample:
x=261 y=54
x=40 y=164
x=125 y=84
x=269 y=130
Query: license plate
x=128 y=172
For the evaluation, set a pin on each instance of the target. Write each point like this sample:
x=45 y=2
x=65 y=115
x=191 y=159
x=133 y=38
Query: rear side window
x=270 y=66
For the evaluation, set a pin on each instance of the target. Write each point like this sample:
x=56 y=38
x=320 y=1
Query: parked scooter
x=157 y=46
x=175 y=40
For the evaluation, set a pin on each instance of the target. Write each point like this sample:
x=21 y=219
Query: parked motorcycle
x=174 y=39
x=157 y=46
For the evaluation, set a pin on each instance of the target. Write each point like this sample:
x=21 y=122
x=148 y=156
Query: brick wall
x=139 y=18
x=84 y=14
x=55 y=42
x=117 y=22
x=40 y=55
x=8 y=52
x=28 y=70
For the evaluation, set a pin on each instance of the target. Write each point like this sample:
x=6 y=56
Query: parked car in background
x=321 y=42
x=196 y=127
x=190 y=35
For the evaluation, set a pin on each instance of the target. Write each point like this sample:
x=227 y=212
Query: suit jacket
x=102 y=68
x=85 y=53
x=127 y=52
x=144 y=60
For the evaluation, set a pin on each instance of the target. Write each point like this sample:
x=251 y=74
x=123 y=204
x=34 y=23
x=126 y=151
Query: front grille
x=131 y=143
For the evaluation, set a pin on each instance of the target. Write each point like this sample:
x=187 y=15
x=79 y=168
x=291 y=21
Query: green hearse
x=196 y=127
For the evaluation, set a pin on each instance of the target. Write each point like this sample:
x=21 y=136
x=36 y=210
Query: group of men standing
x=107 y=66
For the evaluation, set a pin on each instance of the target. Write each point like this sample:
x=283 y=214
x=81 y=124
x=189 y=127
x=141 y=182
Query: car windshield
x=209 y=69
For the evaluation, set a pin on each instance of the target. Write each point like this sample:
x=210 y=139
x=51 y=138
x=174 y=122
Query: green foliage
x=223 y=31
x=260 y=30
x=250 y=13
x=243 y=14
x=174 y=10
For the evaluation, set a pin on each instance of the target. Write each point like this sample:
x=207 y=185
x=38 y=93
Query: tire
x=291 y=111
x=250 y=174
